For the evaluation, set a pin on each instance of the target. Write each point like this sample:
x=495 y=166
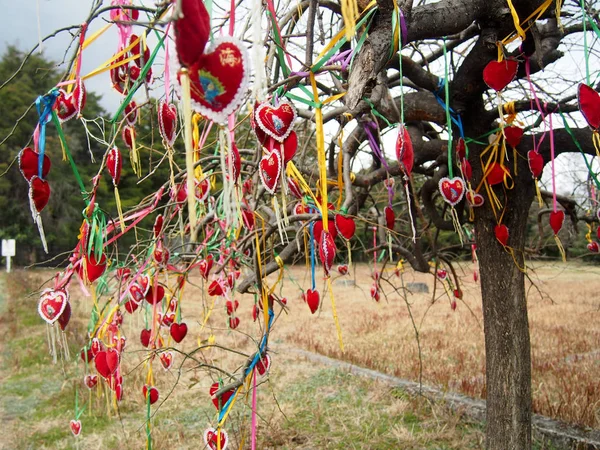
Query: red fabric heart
x=231 y=307
x=294 y=188
x=128 y=136
x=276 y=121
x=97 y=346
x=39 y=193
x=202 y=190
x=263 y=365
x=94 y=269
x=90 y=381
x=390 y=217
x=155 y=294
x=223 y=398
x=513 y=135
x=192 y=29
x=131 y=306
x=342 y=269
x=52 y=304
x=167 y=319
x=219 y=79
x=216 y=440
x=205 y=265
x=442 y=274
x=86 y=355
x=65 y=317
x=215 y=288
x=593 y=247
x=158 y=225
x=178 y=331
x=234 y=322
x=114 y=163
x=145 y=337
x=132 y=113
x=497 y=74
x=405 y=153
x=327 y=251
x=70 y=105
x=557 y=219
x=312 y=300
x=452 y=190
x=290 y=146
x=536 y=163
x=318 y=229
x=375 y=292
x=166 y=359
x=501 y=232
x=589 y=105
x=75 y=426
x=167 y=122
x=150 y=391
x=107 y=362
x=270 y=170
x=345 y=226
x=461 y=149
x=29 y=164
x=476 y=200
x=465 y=167
x=161 y=253
x=496 y=174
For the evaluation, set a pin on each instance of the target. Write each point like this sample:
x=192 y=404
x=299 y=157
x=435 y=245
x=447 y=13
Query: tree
x=415 y=67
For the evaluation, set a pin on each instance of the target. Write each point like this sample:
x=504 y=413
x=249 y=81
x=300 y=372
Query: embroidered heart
x=231 y=307
x=161 y=253
x=114 y=164
x=202 y=190
x=276 y=121
x=234 y=322
x=75 y=426
x=205 y=265
x=52 y=304
x=39 y=193
x=136 y=293
x=390 y=217
x=216 y=440
x=263 y=365
x=513 y=135
x=496 y=174
x=167 y=122
x=107 y=362
x=166 y=359
x=192 y=29
x=70 y=105
x=536 y=163
x=557 y=219
x=178 y=331
x=90 y=381
x=150 y=393
x=219 y=79
x=497 y=74
x=345 y=226
x=593 y=247
x=312 y=300
x=223 y=398
x=97 y=346
x=476 y=200
x=94 y=269
x=65 y=317
x=589 y=105
x=501 y=232
x=405 y=153
x=290 y=146
x=167 y=319
x=342 y=269
x=29 y=163
x=270 y=170
x=327 y=251
x=145 y=337
x=452 y=190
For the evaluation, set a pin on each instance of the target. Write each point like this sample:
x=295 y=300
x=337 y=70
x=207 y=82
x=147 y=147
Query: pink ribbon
x=254 y=409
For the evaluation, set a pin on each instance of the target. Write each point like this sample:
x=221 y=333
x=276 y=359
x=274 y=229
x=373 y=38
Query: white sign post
x=8 y=251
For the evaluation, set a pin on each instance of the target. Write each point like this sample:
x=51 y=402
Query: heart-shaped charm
x=390 y=217
x=536 y=163
x=222 y=399
x=205 y=265
x=345 y=226
x=167 y=122
x=90 y=381
x=461 y=149
x=219 y=79
x=327 y=251
x=405 y=153
x=52 y=304
x=342 y=269
x=501 y=232
x=557 y=219
x=29 y=164
x=93 y=268
x=107 y=362
x=166 y=359
x=589 y=105
x=155 y=294
x=270 y=170
x=114 y=164
x=312 y=299
x=128 y=136
x=150 y=394
x=145 y=337
x=442 y=274
x=158 y=225
x=75 y=426
x=70 y=105
x=192 y=29
x=263 y=365
x=231 y=307
x=216 y=440
x=202 y=190
x=452 y=190
x=65 y=317
x=234 y=322
x=375 y=292
x=496 y=174
x=39 y=193
x=476 y=200
x=215 y=288
x=593 y=247
x=294 y=188
x=497 y=74
x=276 y=121
x=513 y=135
x=290 y=146
x=132 y=112
x=465 y=167
x=178 y=331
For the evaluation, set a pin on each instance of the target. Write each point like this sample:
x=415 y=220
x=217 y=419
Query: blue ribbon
x=44 y=105
x=454 y=116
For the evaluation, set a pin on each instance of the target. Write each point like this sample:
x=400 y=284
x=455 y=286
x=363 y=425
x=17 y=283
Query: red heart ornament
x=150 y=392
x=107 y=362
x=342 y=269
x=178 y=331
x=476 y=200
x=202 y=189
x=234 y=322
x=52 y=304
x=290 y=146
x=276 y=121
x=231 y=306
x=219 y=79
x=223 y=398
x=405 y=153
x=318 y=229
x=90 y=381
x=216 y=440
x=390 y=217
x=501 y=232
x=589 y=105
x=270 y=170
x=167 y=122
x=215 y=288
x=158 y=225
x=375 y=292
x=345 y=226
x=166 y=359
x=65 y=317
x=452 y=190
x=593 y=247
x=312 y=300
x=557 y=219
x=145 y=337
x=497 y=74
x=94 y=269
x=192 y=29
x=496 y=174
x=205 y=265
x=114 y=164
x=327 y=251
x=155 y=294
x=39 y=193
x=467 y=171
x=132 y=113
x=513 y=135
x=29 y=164
x=536 y=163
x=75 y=426
x=128 y=136
x=461 y=149
x=294 y=188
x=70 y=105
x=263 y=365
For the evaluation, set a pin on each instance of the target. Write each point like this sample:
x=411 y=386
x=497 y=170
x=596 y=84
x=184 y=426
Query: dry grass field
x=303 y=404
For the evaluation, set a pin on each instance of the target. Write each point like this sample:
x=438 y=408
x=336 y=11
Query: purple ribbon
x=373 y=143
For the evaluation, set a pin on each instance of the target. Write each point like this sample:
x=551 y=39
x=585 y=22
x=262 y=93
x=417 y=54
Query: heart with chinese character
x=216 y=440
x=29 y=164
x=39 y=193
x=52 y=304
x=497 y=74
x=270 y=170
x=589 y=105
x=219 y=79
x=167 y=122
x=452 y=189
x=276 y=121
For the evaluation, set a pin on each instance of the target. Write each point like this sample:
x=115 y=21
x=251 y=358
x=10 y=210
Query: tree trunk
x=507 y=346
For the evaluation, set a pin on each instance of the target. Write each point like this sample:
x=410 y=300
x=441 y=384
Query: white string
x=39 y=26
